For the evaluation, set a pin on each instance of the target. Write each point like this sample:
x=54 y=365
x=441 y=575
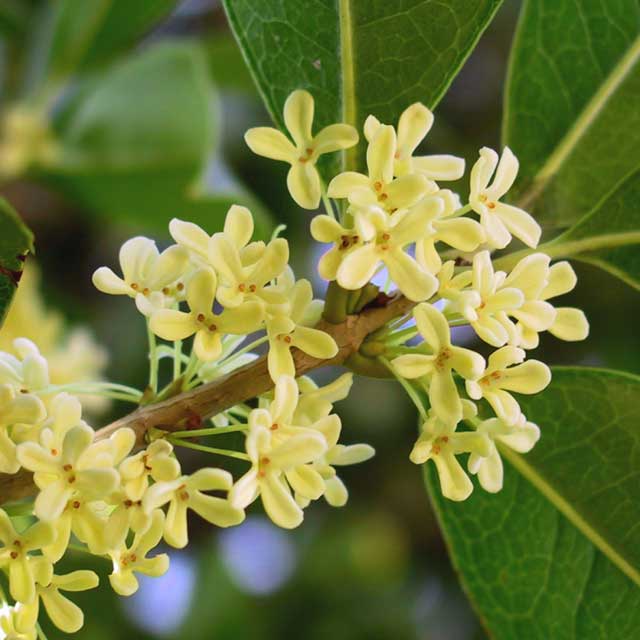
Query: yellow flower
x=245 y=268
x=150 y=277
x=15 y=409
x=280 y=452
x=156 y=461
x=295 y=329
x=63 y=613
x=79 y=468
x=436 y=369
x=445 y=226
x=520 y=437
x=500 y=377
x=15 y=557
x=208 y=327
x=414 y=124
x=439 y=441
x=303 y=179
x=379 y=187
x=387 y=237
x=187 y=492
x=129 y=560
x=500 y=220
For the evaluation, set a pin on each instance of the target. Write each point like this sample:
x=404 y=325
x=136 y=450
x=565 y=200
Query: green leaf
x=357 y=56
x=607 y=237
x=571 y=112
x=556 y=554
x=87 y=34
x=16 y=240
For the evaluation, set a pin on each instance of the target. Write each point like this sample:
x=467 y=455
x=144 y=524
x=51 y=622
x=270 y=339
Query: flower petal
x=298 y=116
x=303 y=182
x=344 y=184
x=380 y=154
x=521 y=224
x=454 y=482
x=238 y=225
x=415 y=282
x=189 y=235
x=279 y=503
x=570 y=325
x=439 y=167
x=433 y=326
x=107 y=281
x=270 y=143
x=334 y=137
x=505 y=175
x=414 y=124
x=314 y=342
x=170 y=324
x=357 y=268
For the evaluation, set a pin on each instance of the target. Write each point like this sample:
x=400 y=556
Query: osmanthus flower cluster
x=215 y=303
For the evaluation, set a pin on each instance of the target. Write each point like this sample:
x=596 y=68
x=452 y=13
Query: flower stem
x=406 y=385
x=153 y=360
x=177 y=358
x=246 y=349
x=212 y=431
x=335 y=307
x=328 y=207
x=200 y=447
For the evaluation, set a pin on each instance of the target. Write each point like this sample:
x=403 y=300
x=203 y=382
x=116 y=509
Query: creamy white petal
x=270 y=143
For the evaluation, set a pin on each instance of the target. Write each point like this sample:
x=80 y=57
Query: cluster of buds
x=217 y=300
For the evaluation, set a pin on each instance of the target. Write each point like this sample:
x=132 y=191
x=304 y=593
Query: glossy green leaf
x=86 y=34
x=556 y=554
x=16 y=240
x=607 y=237
x=571 y=111
x=357 y=56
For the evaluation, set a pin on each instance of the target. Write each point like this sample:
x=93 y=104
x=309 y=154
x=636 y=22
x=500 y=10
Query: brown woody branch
x=185 y=409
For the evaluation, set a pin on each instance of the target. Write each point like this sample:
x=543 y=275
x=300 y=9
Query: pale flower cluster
x=396 y=218
x=219 y=302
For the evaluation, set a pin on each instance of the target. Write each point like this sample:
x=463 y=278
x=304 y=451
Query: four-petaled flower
x=201 y=320
x=379 y=187
x=303 y=179
x=500 y=220
x=148 y=276
x=500 y=377
x=414 y=124
x=436 y=369
x=186 y=492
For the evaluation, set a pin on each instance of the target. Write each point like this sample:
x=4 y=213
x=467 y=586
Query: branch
x=249 y=381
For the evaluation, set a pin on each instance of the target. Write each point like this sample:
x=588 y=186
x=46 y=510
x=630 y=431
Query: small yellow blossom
x=379 y=187
x=500 y=220
x=16 y=559
x=148 y=276
x=441 y=442
x=187 y=492
x=414 y=124
x=436 y=369
x=129 y=560
x=520 y=437
x=201 y=320
x=501 y=377
x=303 y=179
x=296 y=328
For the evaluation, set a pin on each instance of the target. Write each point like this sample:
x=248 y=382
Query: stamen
x=200 y=317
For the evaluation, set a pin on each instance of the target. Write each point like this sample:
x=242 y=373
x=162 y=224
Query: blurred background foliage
x=118 y=116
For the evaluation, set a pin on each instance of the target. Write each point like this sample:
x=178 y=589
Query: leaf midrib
x=563 y=506
x=347 y=63
x=524 y=467
x=582 y=123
